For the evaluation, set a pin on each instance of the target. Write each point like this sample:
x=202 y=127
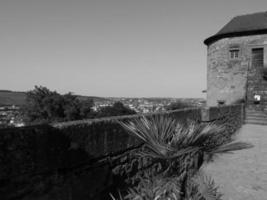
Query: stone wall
x=230 y=116
x=77 y=160
x=227 y=79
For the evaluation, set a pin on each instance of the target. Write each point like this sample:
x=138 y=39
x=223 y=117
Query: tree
x=43 y=105
x=115 y=110
x=71 y=107
x=86 y=109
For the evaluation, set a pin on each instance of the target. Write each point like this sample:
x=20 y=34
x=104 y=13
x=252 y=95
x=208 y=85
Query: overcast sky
x=131 y=48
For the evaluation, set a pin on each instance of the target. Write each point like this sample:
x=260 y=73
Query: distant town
x=148 y=105
x=11 y=115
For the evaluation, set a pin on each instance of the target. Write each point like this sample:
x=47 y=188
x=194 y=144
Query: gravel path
x=243 y=174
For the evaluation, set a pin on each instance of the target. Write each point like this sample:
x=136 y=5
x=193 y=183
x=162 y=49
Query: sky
x=112 y=48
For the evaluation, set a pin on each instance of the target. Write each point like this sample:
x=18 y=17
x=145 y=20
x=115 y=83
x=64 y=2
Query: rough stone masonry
x=229 y=79
x=237 y=61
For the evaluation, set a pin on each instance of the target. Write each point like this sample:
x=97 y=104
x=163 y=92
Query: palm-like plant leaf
x=166 y=138
x=230 y=147
x=181 y=149
x=205 y=188
x=155 y=132
x=156 y=188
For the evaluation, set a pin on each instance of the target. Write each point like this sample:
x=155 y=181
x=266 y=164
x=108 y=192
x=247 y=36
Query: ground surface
x=243 y=175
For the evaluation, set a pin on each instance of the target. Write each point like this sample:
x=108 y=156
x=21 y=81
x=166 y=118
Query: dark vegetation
x=179 y=105
x=116 y=109
x=176 y=152
x=45 y=106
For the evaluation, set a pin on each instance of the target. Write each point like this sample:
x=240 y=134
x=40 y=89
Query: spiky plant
x=202 y=187
x=165 y=138
x=153 y=188
x=181 y=149
x=156 y=187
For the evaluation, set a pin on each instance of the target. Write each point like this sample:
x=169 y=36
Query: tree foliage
x=43 y=105
x=178 y=105
x=116 y=109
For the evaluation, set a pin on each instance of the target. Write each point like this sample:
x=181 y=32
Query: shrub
x=44 y=106
x=178 y=105
x=180 y=151
x=117 y=109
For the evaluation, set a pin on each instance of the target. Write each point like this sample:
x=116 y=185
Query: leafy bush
x=117 y=109
x=202 y=187
x=43 y=105
x=178 y=105
x=156 y=187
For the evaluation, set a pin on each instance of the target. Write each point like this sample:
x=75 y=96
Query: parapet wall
x=76 y=160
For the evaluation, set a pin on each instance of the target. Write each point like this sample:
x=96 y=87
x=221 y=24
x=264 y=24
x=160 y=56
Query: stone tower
x=237 y=62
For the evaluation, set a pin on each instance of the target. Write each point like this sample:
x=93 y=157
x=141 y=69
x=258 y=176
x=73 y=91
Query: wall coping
x=115 y=118
x=205 y=117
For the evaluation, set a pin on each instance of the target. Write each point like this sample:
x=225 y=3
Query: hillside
x=12 y=98
x=8 y=97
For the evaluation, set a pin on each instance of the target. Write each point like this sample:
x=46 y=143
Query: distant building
x=237 y=61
